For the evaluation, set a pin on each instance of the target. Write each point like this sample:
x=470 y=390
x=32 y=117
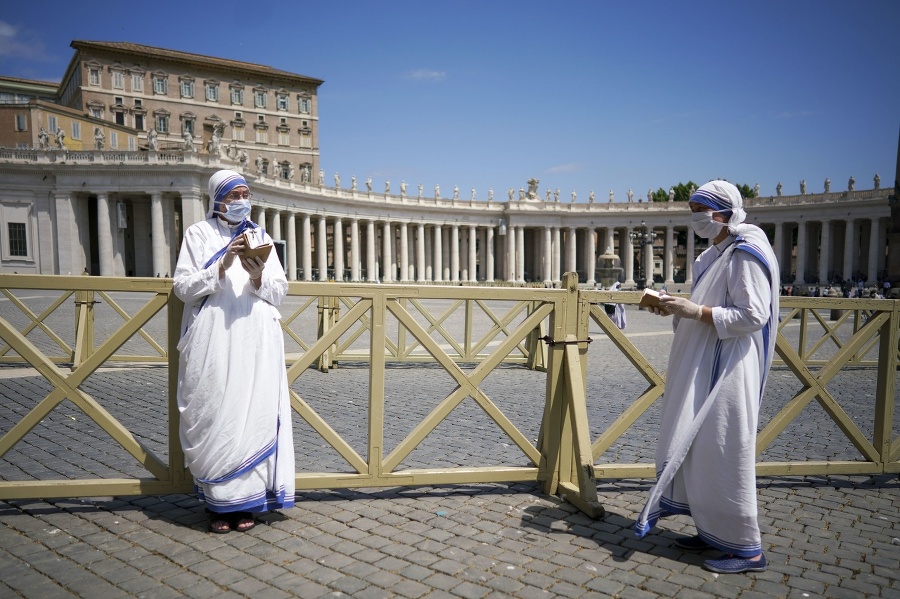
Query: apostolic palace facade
x=105 y=170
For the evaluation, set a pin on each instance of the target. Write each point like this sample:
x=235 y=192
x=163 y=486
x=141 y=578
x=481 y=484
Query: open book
x=255 y=245
x=650 y=298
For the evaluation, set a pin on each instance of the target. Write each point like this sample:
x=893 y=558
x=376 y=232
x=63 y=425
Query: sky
x=581 y=95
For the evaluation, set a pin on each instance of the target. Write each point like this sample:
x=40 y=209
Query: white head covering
x=722 y=196
x=220 y=184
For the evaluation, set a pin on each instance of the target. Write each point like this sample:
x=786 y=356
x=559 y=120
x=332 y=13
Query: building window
x=51 y=123
x=284 y=170
x=118 y=80
x=188 y=126
x=138 y=103
x=187 y=88
x=18 y=244
x=259 y=98
x=113 y=140
x=137 y=82
x=212 y=92
x=160 y=85
x=237 y=96
x=131 y=146
x=237 y=132
x=139 y=122
x=262 y=136
x=20 y=122
x=76 y=130
x=94 y=76
x=304 y=105
x=162 y=123
x=96 y=112
x=284 y=138
x=282 y=102
x=120 y=117
x=265 y=167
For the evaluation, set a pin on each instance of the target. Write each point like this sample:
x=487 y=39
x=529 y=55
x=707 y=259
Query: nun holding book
x=233 y=394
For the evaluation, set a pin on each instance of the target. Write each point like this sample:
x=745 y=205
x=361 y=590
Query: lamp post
x=640 y=238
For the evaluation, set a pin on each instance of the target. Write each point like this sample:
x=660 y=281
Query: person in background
x=233 y=394
x=721 y=353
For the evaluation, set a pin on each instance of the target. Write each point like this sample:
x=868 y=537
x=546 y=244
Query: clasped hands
x=253 y=266
x=677 y=306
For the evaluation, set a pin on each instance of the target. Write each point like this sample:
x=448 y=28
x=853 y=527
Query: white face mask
x=704 y=226
x=236 y=211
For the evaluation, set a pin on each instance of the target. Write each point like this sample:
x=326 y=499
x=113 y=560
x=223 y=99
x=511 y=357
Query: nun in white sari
x=723 y=346
x=232 y=385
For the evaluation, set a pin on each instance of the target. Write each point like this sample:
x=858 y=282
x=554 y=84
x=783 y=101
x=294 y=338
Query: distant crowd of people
x=846 y=288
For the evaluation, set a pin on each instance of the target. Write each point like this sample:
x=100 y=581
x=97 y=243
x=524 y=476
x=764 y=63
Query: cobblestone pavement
x=835 y=536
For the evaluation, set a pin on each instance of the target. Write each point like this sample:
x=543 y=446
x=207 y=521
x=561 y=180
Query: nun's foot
x=243 y=521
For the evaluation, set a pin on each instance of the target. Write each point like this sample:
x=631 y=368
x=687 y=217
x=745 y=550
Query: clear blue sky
x=580 y=95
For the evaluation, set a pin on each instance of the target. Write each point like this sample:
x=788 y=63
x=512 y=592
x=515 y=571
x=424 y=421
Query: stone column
x=800 y=276
x=446 y=249
x=849 y=249
x=454 y=253
x=669 y=260
x=876 y=250
x=555 y=251
x=387 y=254
x=306 y=247
x=420 y=253
x=429 y=259
x=438 y=254
x=628 y=258
x=104 y=236
x=322 y=248
x=371 y=268
x=489 y=254
x=571 y=250
x=338 y=242
x=689 y=259
x=591 y=258
x=355 y=261
x=520 y=254
x=275 y=229
x=473 y=254
x=291 y=247
x=779 y=246
x=825 y=253
x=546 y=268
x=159 y=250
x=404 y=253
x=510 y=254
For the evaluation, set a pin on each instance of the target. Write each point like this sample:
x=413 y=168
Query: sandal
x=219 y=523
x=243 y=521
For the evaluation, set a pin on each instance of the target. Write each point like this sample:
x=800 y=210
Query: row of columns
x=420 y=252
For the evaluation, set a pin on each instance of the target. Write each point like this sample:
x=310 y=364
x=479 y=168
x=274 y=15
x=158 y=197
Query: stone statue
x=574 y=195
x=691 y=191
x=521 y=194
x=455 y=192
x=671 y=194
x=387 y=187
x=304 y=174
x=591 y=197
x=556 y=194
x=321 y=177
x=290 y=171
x=369 y=184
x=649 y=195
x=421 y=188
x=756 y=190
x=60 y=139
x=509 y=194
x=44 y=139
x=851 y=183
x=612 y=196
x=827 y=184
x=402 y=188
x=877 y=180
x=437 y=192
x=99 y=138
x=153 y=140
x=549 y=194
x=472 y=198
x=337 y=180
x=778 y=188
x=259 y=163
x=353 y=182
x=630 y=195
x=245 y=158
x=188 y=139
x=532 y=189
x=215 y=142
x=490 y=194
x=802 y=186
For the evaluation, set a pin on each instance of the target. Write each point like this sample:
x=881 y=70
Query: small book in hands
x=255 y=245
x=649 y=299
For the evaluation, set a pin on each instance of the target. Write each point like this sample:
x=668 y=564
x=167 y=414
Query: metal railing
x=326 y=324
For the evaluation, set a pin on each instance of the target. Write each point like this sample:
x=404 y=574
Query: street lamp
x=640 y=238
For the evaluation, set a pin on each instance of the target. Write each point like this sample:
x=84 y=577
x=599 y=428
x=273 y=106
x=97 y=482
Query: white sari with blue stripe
x=706 y=454
x=232 y=385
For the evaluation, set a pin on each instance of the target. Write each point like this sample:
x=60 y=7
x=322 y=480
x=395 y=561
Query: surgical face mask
x=704 y=226
x=236 y=211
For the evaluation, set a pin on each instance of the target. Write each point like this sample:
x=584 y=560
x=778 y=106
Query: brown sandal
x=242 y=521
x=219 y=523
